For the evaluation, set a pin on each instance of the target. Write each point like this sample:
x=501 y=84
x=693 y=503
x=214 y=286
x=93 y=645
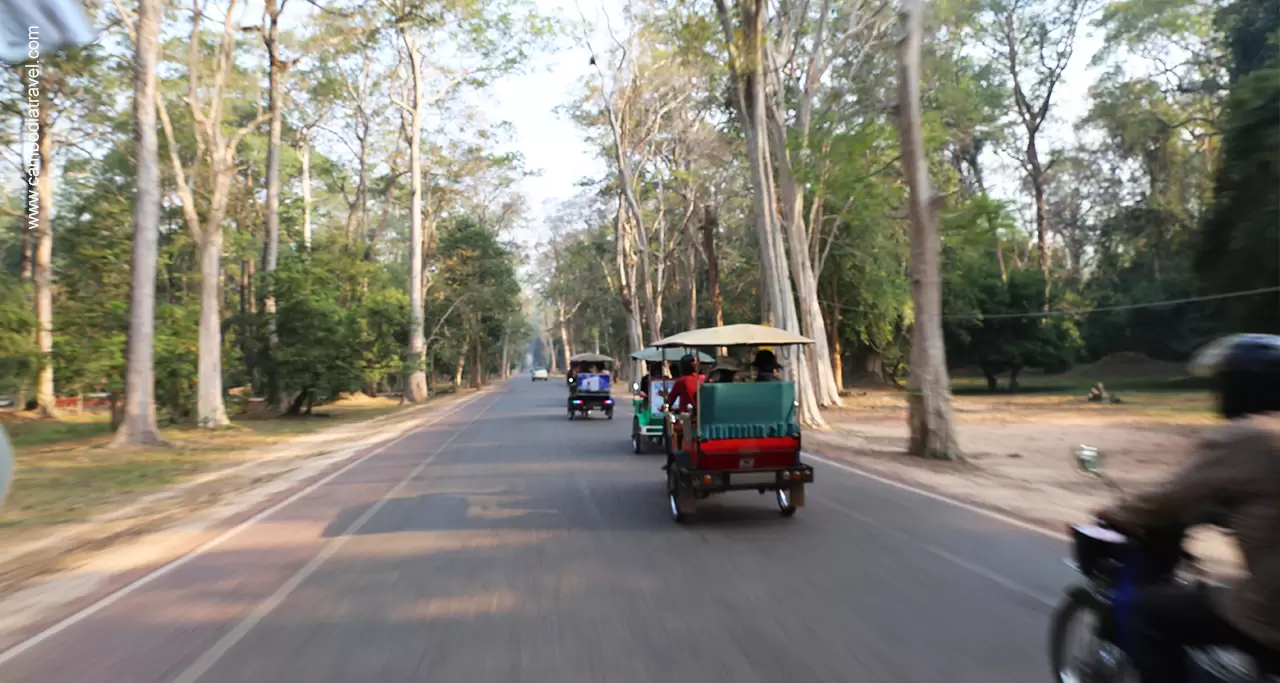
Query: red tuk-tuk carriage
x=740 y=435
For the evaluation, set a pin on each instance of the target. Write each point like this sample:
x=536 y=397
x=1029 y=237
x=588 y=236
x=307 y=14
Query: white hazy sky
x=551 y=144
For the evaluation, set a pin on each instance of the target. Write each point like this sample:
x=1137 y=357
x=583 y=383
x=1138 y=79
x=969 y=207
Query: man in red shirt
x=685 y=390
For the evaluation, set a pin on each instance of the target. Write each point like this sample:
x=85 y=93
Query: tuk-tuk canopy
x=590 y=358
x=733 y=335
x=656 y=355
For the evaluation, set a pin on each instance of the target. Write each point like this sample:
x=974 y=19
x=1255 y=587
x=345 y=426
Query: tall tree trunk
x=566 y=349
x=837 y=354
x=1042 y=216
x=1004 y=270
x=625 y=262
x=504 y=372
x=477 y=372
x=792 y=203
x=46 y=399
x=417 y=389
x=24 y=267
x=275 y=77
x=691 y=283
x=929 y=387
x=138 y=424
x=305 y=153
x=210 y=410
x=710 y=225
x=746 y=58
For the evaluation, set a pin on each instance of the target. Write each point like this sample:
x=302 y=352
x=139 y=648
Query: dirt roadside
x=44 y=579
x=1021 y=463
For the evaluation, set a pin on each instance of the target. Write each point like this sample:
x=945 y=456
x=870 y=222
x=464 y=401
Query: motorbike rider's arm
x=1226 y=465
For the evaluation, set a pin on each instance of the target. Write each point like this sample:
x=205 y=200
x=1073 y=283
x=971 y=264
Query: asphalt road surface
x=506 y=543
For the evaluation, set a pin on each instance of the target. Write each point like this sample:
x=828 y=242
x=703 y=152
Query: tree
x=138 y=426
x=1035 y=40
x=806 y=45
x=1239 y=242
x=207 y=108
x=929 y=387
x=745 y=42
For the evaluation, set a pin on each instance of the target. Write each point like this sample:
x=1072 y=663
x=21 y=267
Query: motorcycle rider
x=1236 y=467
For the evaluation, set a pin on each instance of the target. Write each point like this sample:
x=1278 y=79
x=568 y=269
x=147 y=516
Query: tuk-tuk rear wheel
x=785 y=504
x=679 y=513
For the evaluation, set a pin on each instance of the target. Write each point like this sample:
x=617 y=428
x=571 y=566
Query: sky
x=551 y=144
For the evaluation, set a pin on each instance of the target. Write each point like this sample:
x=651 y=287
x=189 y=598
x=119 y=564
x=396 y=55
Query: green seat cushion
x=747 y=410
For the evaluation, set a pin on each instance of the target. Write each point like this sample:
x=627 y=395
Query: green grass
x=32 y=433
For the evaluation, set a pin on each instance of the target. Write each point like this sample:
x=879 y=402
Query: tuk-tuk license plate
x=753 y=478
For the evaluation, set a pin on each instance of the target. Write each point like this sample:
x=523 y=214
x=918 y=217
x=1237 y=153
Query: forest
x=330 y=214
x=335 y=214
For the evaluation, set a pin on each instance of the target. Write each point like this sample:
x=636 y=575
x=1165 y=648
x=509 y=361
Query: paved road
x=504 y=543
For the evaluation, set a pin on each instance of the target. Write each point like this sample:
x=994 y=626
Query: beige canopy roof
x=654 y=355
x=590 y=358
x=733 y=335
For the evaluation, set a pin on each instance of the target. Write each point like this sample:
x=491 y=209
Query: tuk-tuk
x=739 y=435
x=589 y=379
x=649 y=394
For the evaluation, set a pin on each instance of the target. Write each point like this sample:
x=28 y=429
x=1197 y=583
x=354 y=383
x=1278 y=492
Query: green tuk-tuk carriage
x=648 y=396
x=589 y=379
x=740 y=436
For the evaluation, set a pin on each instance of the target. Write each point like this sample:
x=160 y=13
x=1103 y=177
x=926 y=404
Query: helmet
x=1245 y=369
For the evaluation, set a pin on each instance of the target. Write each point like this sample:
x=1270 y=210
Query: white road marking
x=224 y=645
x=105 y=602
x=1007 y=519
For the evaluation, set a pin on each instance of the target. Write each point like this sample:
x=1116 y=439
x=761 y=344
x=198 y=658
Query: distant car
x=540 y=374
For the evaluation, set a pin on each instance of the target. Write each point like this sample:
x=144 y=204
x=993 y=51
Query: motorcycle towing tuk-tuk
x=589 y=379
x=650 y=393
x=739 y=435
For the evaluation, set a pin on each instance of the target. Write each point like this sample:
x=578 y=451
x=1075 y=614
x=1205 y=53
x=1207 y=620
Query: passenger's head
x=765 y=362
x=688 y=364
x=1245 y=369
x=655 y=368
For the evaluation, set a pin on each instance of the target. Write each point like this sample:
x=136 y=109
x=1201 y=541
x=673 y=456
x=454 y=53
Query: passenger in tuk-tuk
x=654 y=371
x=724 y=372
x=685 y=388
x=767 y=367
x=684 y=392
